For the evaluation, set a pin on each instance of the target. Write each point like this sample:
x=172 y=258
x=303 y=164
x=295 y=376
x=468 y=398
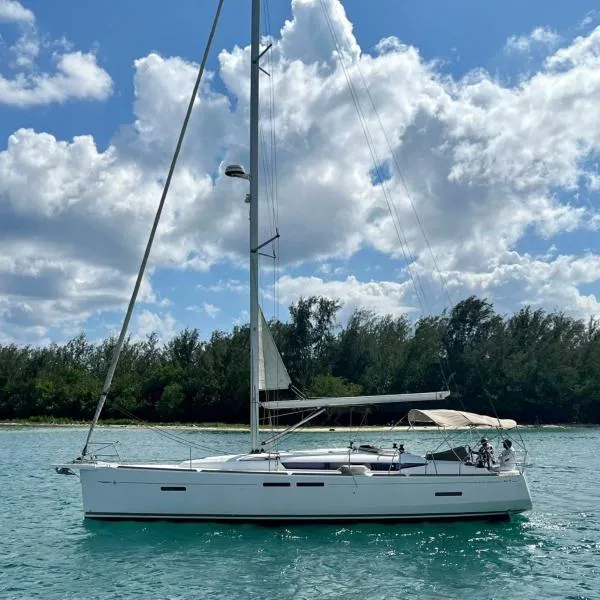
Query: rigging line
x=267 y=16
x=268 y=184
x=274 y=183
x=155 y=428
x=266 y=173
x=273 y=158
x=276 y=246
x=266 y=152
x=403 y=182
x=295 y=412
x=275 y=309
x=374 y=156
x=273 y=143
x=413 y=206
x=409 y=256
x=422 y=299
x=377 y=162
x=415 y=277
x=267 y=162
x=413 y=258
x=271 y=176
x=125 y=326
x=164 y=433
x=391 y=429
x=405 y=248
x=268 y=178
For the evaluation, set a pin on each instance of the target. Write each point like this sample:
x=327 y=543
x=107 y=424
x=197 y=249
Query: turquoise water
x=48 y=551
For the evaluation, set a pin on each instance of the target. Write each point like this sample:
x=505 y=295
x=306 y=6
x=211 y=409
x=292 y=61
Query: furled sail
x=272 y=374
x=354 y=400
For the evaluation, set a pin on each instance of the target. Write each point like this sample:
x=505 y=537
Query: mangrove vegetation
x=534 y=366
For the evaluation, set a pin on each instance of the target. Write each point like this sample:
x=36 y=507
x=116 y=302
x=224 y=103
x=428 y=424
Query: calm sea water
x=48 y=551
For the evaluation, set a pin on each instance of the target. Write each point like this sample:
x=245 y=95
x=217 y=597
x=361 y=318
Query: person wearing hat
x=486 y=453
x=507 y=458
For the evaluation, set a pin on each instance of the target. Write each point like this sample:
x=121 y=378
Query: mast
x=254 y=92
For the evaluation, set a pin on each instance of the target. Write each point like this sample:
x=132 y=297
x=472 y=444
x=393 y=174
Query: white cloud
x=229 y=285
x=242 y=319
x=72 y=225
x=382 y=297
x=25 y=50
x=540 y=37
x=148 y=322
x=542 y=281
x=207 y=308
x=27 y=47
x=12 y=11
x=483 y=164
x=589 y=18
x=584 y=50
x=307 y=37
x=77 y=76
x=210 y=309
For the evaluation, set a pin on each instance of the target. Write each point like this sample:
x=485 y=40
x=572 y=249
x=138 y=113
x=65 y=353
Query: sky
x=412 y=154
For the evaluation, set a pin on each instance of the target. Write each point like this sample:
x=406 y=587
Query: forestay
x=272 y=374
x=354 y=400
x=457 y=418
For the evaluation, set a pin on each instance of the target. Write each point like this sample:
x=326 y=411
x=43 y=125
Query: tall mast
x=254 y=91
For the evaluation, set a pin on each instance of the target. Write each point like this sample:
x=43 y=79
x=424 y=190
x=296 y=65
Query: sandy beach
x=233 y=428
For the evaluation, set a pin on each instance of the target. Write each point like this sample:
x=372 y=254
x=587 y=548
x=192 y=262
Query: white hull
x=117 y=491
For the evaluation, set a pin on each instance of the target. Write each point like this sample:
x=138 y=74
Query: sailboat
x=355 y=483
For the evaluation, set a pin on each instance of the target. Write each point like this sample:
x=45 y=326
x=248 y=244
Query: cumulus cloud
x=475 y=167
x=148 y=322
x=211 y=310
x=12 y=11
x=207 y=308
x=25 y=50
x=540 y=37
x=77 y=76
x=545 y=281
x=308 y=36
x=242 y=319
x=228 y=285
x=585 y=50
x=382 y=297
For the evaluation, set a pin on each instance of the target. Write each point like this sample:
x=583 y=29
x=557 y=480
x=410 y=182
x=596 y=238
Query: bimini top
x=444 y=417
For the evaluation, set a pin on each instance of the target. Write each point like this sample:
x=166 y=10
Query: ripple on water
x=48 y=551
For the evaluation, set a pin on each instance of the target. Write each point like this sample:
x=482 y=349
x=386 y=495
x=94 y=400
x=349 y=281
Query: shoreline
x=234 y=428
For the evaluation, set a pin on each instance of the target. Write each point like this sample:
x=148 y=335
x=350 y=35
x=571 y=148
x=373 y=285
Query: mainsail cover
x=354 y=400
x=443 y=417
x=272 y=374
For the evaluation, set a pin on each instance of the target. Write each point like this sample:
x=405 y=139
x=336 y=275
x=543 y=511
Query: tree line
x=534 y=366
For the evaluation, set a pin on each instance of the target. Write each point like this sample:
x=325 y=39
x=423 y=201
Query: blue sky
x=486 y=117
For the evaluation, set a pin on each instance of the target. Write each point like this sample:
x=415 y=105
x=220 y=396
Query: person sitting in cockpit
x=485 y=455
x=507 y=458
